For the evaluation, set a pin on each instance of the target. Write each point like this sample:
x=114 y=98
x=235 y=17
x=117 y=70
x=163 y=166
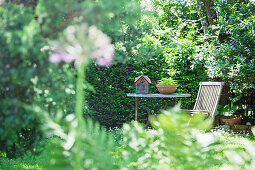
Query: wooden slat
x=208 y=96
x=212 y=83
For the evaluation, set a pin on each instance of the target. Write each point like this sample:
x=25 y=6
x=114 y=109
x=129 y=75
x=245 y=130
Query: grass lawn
x=28 y=161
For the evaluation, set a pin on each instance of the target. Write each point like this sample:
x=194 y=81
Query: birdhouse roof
x=145 y=77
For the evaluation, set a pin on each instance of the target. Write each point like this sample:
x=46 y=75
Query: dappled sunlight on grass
x=20 y=164
x=230 y=137
x=23 y=166
x=29 y=161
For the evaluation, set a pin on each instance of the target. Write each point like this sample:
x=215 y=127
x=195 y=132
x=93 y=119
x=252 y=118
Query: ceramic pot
x=166 y=89
x=231 y=120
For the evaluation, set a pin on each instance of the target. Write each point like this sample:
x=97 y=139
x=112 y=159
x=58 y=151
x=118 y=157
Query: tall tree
x=202 y=15
x=207 y=14
x=210 y=11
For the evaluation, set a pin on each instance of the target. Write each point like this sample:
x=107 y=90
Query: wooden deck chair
x=207 y=98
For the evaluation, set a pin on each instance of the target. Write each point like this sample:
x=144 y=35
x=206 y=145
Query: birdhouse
x=142 y=84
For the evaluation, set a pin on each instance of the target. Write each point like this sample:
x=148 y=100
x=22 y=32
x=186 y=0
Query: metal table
x=173 y=95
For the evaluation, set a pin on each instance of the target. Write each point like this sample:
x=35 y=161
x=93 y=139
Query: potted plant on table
x=166 y=85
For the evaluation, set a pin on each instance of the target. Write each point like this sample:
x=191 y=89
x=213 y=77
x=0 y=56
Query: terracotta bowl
x=231 y=120
x=166 y=89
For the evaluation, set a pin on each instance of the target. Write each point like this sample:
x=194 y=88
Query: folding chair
x=208 y=98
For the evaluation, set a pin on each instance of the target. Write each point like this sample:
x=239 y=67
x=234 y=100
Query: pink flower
x=55 y=58
x=104 y=55
x=104 y=50
x=58 y=56
x=80 y=43
x=1 y=2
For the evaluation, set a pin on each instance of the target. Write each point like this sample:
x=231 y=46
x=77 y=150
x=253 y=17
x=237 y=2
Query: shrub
x=20 y=42
x=25 y=78
x=232 y=58
x=176 y=138
x=26 y=74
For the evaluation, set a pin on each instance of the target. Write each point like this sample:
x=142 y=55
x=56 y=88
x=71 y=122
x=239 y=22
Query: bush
x=20 y=42
x=176 y=138
x=232 y=57
x=26 y=74
x=187 y=70
x=27 y=77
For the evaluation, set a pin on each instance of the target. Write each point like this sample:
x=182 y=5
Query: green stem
x=80 y=95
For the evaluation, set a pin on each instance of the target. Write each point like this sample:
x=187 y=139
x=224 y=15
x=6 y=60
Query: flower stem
x=80 y=97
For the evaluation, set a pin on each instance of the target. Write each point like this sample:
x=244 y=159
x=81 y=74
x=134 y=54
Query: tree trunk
x=202 y=16
x=211 y=13
x=208 y=15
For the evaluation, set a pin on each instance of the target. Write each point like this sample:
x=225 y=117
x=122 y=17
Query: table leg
x=173 y=103
x=148 y=112
x=136 y=108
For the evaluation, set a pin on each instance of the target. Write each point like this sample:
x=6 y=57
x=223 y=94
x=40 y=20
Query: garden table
x=137 y=96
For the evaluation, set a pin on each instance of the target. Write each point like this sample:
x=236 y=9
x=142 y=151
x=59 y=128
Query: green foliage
x=176 y=12
x=171 y=144
x=26 y=74
x=27 y=77
x=164 y=42
x=19 y=41
x=188 y=71
x=94 y=149
x=167 y=81
x=229 y=110
x=232 y=58
x=106 y=15
x=177 y=141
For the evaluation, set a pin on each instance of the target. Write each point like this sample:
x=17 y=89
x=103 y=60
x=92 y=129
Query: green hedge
x=110 y=105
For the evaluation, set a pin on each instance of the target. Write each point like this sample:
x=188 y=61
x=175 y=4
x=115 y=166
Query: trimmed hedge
x=110 y=104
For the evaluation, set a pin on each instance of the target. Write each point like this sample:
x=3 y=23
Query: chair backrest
x=208 y=96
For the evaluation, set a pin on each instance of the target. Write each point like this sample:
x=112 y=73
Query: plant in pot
x=166 y=85
x=229 y=117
